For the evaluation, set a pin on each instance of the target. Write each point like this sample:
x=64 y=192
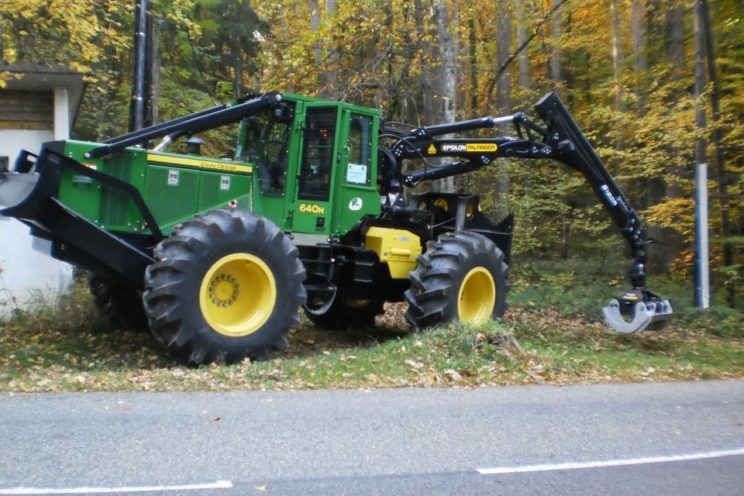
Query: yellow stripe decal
x=198 y=163
x=481 y=147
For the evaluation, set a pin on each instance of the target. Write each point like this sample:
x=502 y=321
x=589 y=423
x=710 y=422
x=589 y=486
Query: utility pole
x=702 y=281
x=141 y=77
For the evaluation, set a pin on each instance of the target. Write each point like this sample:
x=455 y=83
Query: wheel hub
x=238 y=294
x=224 y=290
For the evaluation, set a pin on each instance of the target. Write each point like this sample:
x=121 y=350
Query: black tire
x=226 y=286
x=346 y=314
x=451 y=281
x=121 y=303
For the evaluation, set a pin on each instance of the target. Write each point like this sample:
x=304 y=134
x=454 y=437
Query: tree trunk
x=720 y=163
x=555 y=34
x=503 y=50
x=427 y=89
x=473 y=60
x=445 y=81
x=238 y=90
x=330 y=74
x=556 y=76
x=638 y=33
x=447 y=78
x=503 y=99
x=677 y=173
x=618 y=57
x=524 y=57
x=676 y=34
x=315 y=27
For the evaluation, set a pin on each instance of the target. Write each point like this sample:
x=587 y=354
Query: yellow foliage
x=673 y=213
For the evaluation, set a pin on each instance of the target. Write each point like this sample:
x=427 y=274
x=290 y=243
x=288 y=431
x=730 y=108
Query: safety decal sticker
x=225 y=183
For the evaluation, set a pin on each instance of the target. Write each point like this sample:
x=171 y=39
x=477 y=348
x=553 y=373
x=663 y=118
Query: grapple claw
x=637 y=316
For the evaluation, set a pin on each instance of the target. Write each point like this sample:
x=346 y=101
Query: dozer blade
x=30 y=195
x=653 y=314
x=15 y=188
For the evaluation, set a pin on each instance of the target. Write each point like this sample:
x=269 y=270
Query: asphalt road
x=676 y=439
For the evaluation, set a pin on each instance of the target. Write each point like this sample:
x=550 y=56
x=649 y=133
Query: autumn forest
x=657 y=86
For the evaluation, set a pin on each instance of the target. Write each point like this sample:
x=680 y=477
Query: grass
x=555 y=340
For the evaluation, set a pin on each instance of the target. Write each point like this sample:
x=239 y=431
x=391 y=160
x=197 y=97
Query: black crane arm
x=559 y=139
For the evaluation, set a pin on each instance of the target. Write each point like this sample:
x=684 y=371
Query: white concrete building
x=38 y=104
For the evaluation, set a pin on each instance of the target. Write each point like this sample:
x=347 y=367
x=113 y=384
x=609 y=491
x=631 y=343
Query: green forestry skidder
x=310 y=213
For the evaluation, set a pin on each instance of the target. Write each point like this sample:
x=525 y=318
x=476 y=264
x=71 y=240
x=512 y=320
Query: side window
x=360 y=153
x=267 y=146
x=317 y=154
x=275 y=157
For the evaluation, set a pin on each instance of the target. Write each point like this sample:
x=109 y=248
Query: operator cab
x=315 y=165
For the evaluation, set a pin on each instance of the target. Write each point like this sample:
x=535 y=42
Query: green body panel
x=174 y=187
x=312 y=174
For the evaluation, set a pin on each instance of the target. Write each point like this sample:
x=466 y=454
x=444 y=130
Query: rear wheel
x=462 y=276
x=346 y=314
x=120 y=302
x=226 y=286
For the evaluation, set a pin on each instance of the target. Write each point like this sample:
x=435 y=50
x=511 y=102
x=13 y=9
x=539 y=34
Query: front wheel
x=461 y=276
x=226 y=286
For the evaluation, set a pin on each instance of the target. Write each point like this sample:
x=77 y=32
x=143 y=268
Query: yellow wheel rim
x=237 y=294
x=477 y=296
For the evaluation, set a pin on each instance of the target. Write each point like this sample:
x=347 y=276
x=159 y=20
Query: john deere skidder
x=310 y=213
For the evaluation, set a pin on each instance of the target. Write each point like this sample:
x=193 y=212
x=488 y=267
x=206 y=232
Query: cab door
x=357 y=194
x=316 y=172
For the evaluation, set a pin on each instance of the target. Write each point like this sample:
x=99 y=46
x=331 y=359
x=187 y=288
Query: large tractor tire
x=121 y=303
x=346 y=314
x=462 y=276
x=224 y=287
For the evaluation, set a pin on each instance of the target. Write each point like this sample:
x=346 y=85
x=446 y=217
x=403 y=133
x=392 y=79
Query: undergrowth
x=551 y=334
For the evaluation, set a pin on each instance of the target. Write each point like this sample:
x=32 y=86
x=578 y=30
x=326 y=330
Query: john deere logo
x=356 y=204
x=311 y=209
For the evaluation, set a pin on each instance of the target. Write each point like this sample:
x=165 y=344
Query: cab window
x=317 y=154
x=267 y=147
x=360 y=150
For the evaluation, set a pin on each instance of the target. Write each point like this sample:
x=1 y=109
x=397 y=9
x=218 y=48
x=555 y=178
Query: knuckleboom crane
x=561 y=140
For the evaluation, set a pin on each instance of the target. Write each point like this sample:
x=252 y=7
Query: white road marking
x=610 y=463
x=22 y=491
